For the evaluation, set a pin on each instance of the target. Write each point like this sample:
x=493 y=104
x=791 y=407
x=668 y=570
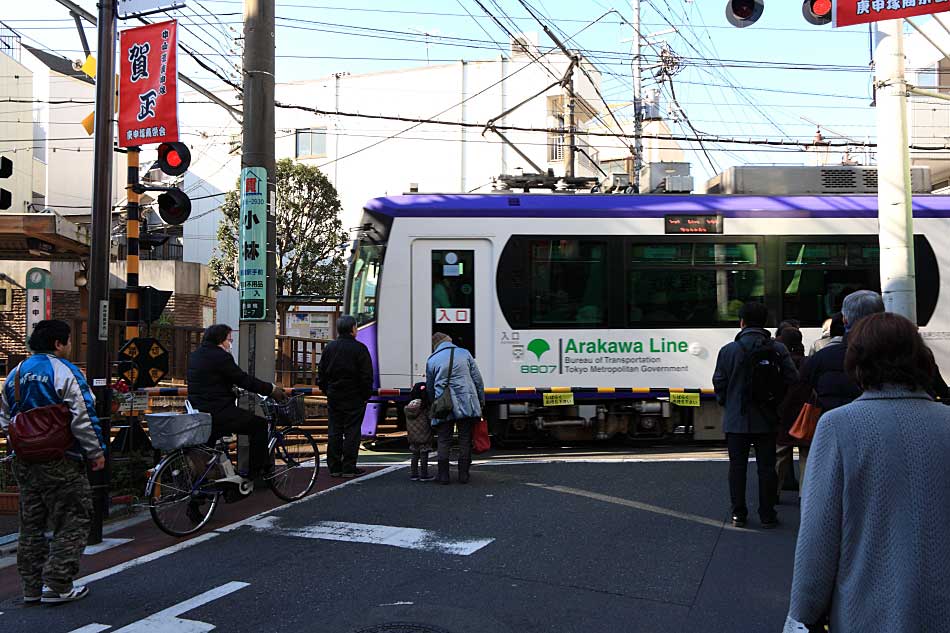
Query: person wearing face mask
x=212 y=376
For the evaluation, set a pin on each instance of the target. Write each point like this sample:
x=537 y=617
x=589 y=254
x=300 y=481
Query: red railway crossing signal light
x=743 y=13
x=174 y=206
x=817 y=11
x=174 y=159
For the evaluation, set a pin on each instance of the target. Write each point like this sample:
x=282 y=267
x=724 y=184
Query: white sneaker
x=78 y=592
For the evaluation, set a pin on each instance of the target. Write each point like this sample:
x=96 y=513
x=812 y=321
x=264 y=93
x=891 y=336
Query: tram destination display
x=692 y=224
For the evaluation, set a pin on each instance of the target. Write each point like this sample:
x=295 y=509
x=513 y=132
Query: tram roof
x=626 y=206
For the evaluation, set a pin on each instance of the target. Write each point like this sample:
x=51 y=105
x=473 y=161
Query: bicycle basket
x=289 y=413
x=171 y=431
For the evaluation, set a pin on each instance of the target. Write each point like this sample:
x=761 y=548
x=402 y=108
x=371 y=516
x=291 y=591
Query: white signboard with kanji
x=453 y=315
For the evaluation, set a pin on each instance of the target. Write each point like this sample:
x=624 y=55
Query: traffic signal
x=817 y=11
x=743 y=13
x=150 y=239
x=174 y=206
x=174 y=158
x=6 y=170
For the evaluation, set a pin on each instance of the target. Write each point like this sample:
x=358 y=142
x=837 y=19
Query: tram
x=597 y=316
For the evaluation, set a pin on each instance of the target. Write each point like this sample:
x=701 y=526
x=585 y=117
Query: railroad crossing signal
x=174 y=205
x=743 y=13
x=143 y=362
x=6 y=170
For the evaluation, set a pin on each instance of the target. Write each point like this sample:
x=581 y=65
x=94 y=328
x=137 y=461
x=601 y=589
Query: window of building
x=311 y=142
x=5 y=303
x=699 y=284
x=568 y=282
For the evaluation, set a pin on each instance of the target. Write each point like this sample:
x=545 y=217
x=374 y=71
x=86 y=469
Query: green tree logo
x=538 y=347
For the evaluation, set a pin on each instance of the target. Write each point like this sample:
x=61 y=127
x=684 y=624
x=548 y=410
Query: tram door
x=452 y=292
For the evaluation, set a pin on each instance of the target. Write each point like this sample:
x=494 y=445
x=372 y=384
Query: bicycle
x=188 y=483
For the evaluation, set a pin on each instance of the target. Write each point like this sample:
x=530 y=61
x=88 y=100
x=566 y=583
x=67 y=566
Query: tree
x=310 y=235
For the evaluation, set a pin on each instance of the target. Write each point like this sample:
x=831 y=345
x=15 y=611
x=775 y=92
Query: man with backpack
x=751 y=377
x=49 y=416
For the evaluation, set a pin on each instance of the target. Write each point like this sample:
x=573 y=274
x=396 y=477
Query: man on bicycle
x=212 y=376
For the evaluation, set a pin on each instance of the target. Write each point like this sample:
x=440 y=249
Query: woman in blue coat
x=873 y=551
x=468 y=398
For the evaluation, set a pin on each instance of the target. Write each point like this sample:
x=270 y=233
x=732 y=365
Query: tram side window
x=816 y=277
x=364 y=282
x=568 y=282
x=691 y=284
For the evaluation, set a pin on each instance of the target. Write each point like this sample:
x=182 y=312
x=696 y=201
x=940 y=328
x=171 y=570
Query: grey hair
x=860 y=304
x=346 y=324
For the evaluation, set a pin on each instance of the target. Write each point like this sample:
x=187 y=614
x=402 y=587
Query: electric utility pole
x=258 y=326
x=97 y=329
x=637 y=97
x=895 y=213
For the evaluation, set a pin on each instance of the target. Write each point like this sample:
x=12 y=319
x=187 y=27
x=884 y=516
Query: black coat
x=212 y=374
x=346 y=373
x=824 y=372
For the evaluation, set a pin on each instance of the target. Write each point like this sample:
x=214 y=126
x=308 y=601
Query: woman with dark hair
x=872 y=550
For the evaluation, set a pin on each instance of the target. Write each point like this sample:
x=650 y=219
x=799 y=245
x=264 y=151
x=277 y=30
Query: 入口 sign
x=849 y=12
x=453 y=315
x=148 y=84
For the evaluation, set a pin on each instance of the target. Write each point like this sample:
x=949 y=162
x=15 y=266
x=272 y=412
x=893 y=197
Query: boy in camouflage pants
x=53 y=493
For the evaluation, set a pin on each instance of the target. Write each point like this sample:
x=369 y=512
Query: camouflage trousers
x=54 y=495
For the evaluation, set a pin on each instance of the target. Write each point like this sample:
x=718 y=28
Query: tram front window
x=364 y=282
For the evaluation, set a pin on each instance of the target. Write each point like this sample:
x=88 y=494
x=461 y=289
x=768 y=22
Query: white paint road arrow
x=404 y=537
x=167 y=620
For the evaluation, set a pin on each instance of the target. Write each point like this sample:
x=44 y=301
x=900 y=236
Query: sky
x=781 y=78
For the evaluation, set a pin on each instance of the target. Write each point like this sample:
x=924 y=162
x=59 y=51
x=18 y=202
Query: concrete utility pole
x=257 y=337
x=895 y=213
x=637 y=64
x=97 y=329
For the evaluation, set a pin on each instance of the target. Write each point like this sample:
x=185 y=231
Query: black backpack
x=764 y=384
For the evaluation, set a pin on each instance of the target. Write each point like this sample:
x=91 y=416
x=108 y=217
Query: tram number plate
x=558 y=399
x=684 y=399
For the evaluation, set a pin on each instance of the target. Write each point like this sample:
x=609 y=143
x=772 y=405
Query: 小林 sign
x=148 y=84
x=849 y=12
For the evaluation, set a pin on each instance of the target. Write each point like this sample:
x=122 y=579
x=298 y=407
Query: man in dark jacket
x=824 y=371
x=212 y=376
x=748 y=419
x=345 y=376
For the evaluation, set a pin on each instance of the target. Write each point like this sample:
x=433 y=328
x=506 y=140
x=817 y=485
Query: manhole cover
x=402 y=627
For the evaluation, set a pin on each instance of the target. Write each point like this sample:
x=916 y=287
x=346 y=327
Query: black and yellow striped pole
x=132 y=224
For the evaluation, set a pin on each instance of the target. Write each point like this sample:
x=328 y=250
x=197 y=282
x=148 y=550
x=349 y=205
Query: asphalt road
x=633 y=546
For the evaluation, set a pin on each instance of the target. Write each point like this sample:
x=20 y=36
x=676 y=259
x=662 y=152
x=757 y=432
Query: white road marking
x=404 y=537
x=106 y=544
x=92 y=628
x=147 y=558
x=620 y=501
x=167 y=620
x=395 y=604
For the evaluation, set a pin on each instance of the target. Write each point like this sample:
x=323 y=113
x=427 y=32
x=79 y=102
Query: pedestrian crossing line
x=92 y=628
x=106 y=544
x=638 y=505
x=403 y=537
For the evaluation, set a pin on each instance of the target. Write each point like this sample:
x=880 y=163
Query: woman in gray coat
x=468 y=400
x=873 y=549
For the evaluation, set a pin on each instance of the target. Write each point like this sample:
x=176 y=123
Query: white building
x=929 y=118
x=383 y=150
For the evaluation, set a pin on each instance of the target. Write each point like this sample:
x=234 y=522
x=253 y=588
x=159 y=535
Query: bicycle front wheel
x=296 y=460
x=178 y=499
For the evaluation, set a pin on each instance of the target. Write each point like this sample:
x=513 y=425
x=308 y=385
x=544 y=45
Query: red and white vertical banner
x=148 y=84
x=848 y=12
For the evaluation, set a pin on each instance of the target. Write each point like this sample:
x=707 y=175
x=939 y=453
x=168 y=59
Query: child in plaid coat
x=419 y=431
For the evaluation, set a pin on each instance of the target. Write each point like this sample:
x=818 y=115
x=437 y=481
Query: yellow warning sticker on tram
x=557 y=399
x=684 y=399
